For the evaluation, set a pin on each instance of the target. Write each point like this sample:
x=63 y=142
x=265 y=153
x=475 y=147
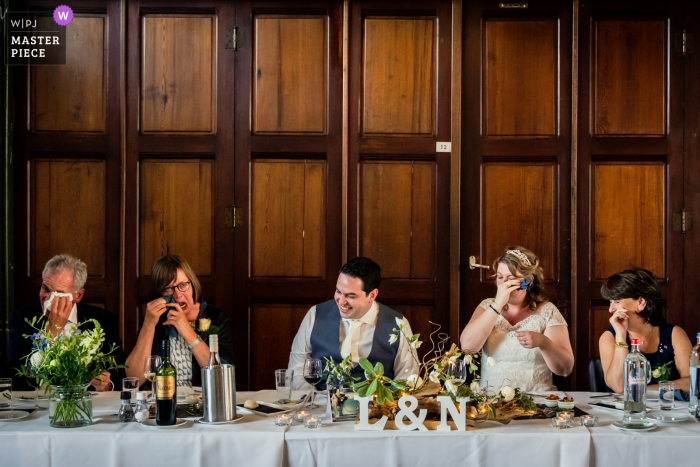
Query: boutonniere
x=662 y=372
x=204 y=328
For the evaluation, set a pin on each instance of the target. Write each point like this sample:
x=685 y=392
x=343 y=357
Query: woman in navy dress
x=637 y=313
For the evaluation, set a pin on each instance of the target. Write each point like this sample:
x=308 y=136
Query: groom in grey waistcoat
x=354 y=324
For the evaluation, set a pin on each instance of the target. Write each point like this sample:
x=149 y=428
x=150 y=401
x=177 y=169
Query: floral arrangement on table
x=503 y=405
x=204 y=328
x=661 y=372
x=68 y=363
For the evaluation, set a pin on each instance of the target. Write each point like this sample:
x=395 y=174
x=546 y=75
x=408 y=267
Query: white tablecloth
x=257 y=441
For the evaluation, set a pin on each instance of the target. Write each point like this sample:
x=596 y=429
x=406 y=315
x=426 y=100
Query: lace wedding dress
x=517 y=366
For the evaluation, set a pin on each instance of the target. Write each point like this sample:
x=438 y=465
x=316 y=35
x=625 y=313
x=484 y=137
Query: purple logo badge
x=63 y=15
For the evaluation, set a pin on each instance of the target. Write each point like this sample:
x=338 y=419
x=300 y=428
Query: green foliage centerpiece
x=68 y=363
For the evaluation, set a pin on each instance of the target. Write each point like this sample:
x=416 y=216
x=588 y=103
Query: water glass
x=283 y=384
x=5 y=392
x=666 y=393
x=131 y=384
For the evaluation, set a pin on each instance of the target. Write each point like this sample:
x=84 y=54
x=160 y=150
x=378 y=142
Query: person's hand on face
x=184 y=310
x=507 y=285
x=178 y=318
x=61 y=307
x=620 y=318
x=154 y=309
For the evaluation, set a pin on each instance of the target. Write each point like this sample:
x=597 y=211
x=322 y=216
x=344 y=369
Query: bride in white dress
x=523 y=332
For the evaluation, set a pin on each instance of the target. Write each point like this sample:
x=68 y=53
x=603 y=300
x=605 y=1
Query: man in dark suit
x=63 y=274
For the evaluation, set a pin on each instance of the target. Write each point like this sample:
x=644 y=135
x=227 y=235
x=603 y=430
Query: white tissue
x=47 y=303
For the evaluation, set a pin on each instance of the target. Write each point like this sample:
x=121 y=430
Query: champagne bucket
x=219 y=393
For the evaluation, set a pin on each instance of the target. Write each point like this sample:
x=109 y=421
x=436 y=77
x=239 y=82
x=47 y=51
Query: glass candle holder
x=283 y=420
x=589 y=420
x=561 y=423
x=569 y=416
x=312 y=422
x=300 y=416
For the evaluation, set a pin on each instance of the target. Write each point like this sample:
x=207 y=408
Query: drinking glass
x=36 y=384
x=131 y=384
x=457 y=371
x=313 y=372
x=483 y=384
x=666 y=393
x=283 y=384
x=5 y=392
x=149 y=371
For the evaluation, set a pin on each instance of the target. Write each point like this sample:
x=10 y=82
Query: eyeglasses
x=182 y=287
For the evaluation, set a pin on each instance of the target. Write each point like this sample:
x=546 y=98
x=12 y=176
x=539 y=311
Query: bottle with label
x=694 y=377
x=214 y=360
x=637 y=374
x=166 y=389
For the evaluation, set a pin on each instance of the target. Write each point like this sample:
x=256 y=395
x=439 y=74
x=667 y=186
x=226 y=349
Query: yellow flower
x=204 y=324
x=656 y=373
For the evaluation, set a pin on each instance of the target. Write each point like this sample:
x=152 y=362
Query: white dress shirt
x=404 y=364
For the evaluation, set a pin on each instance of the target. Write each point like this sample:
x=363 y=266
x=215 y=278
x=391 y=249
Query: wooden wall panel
x=521 y=78
x=397 y=202
x=178 y=74
x=519 y=206
x=628 y=212
x=630 y=77
x=399 y=68
x=288 y=218
x=600 y=321
x=175 y=213
x=274 y=326
x=68 y=206
x=289 y=88
x=419 y=317
x=72 y=97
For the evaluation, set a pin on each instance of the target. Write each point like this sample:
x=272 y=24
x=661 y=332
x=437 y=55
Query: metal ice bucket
x=219 y=393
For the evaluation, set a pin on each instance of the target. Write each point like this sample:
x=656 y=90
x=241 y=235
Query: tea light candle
x=589 y=420
x=283 y=420
x=560 y=423
x=312 y=422
x=191 y=400
x=300 y=416
x=567 y=415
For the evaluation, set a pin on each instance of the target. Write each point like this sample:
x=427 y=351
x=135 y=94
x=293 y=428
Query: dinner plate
x=10 y=415
x=283 y=409
x=152 y=423
x=236 y=419
x=670 y=417
x=649 y=426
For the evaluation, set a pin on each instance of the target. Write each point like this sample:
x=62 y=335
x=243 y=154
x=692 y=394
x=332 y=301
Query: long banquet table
x=257 y=441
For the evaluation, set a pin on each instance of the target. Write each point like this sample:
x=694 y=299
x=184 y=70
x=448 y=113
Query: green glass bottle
x=166 y=389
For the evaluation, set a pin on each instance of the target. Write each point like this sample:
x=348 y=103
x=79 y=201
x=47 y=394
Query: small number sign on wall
x=443 y=146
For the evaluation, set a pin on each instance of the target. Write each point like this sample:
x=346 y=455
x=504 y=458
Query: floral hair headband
x=520 y=255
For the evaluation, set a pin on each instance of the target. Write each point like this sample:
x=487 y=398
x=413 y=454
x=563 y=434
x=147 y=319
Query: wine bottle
x=166 y=389
x=214 y=360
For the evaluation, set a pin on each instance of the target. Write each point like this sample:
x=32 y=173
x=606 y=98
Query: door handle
x=474 y=265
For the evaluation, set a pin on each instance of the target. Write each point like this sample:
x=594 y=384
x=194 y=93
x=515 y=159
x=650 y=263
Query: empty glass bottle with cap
x=126 y=411
x=637 y=374
x=214 y=360
x=694 y=377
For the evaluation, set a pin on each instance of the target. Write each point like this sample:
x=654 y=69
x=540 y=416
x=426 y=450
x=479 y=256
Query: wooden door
x=398 y=199
x=179 y=158
x=516 y=133
x=630 y=157
x=68 y=156
x=288 y=145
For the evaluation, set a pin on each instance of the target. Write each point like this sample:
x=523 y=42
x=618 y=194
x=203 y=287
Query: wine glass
x=149 y=371
x=313 y=372
x=34 y=382
x=457 y=371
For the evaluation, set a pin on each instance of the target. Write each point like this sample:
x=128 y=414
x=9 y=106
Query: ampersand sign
x=407 y=404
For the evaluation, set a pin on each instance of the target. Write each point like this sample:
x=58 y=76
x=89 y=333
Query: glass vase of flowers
x=68 y=362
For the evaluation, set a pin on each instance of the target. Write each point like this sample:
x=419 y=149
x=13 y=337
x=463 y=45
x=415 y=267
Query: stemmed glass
x=458 y=372
x=149 y=371
x=36 y=384
x=313 y=372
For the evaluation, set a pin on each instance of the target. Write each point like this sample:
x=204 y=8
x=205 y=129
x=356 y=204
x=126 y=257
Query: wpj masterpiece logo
x=37 y=37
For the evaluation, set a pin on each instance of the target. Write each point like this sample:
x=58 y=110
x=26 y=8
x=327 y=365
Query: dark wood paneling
x=289 y=88
x=629 y=232
x=272 y=343
x=520 y=76
x=532 y=208
x=68 y=209
x=176 y=213
x=72 y=98
x=600 y=321
x=630 y=77
x=398 y=89
x=178 y=75
x=288 y=218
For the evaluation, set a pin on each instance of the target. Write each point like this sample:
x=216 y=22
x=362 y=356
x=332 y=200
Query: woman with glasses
x=175 y=313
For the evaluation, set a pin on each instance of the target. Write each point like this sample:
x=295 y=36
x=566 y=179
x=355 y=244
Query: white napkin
x=47 y=303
